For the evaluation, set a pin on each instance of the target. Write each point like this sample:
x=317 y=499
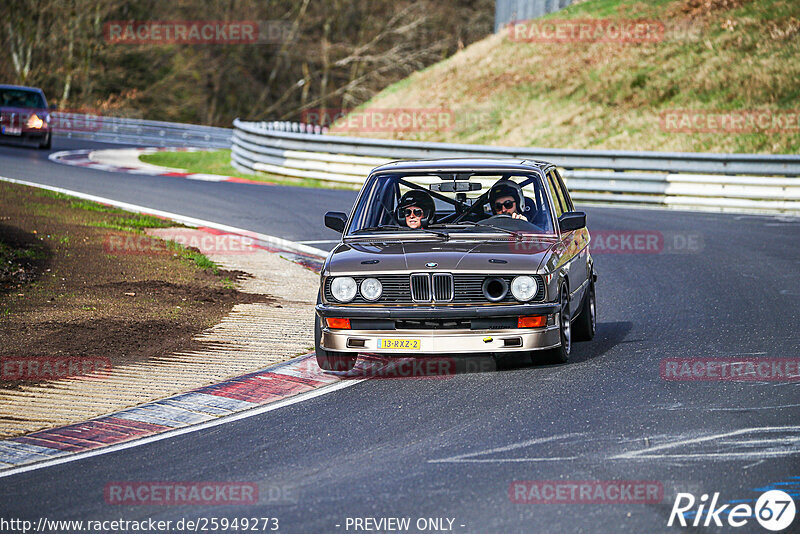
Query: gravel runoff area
x=251 y=337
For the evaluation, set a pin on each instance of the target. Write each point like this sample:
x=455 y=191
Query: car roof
x=21 y=87
x=464 y=164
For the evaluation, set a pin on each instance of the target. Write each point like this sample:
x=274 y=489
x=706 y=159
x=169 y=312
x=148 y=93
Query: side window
x=568 y=206
x=555 y=192
x=537 y=207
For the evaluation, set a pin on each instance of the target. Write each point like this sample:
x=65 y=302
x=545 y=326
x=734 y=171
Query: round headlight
x=371 y=288
x=343 y=289
x=524 y=288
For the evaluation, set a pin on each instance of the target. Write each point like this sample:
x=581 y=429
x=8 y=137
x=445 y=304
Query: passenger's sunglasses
x=508 y=204
x=416 y=212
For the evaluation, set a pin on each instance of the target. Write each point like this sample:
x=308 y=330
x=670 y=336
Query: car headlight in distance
x=343 y=289
x=35 y=122
x=524 y=288
x=371 y=289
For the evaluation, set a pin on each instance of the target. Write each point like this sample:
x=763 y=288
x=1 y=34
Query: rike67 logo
x=774 y=510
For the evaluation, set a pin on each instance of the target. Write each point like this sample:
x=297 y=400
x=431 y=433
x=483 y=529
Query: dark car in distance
x=24 y=115
x=457 y=256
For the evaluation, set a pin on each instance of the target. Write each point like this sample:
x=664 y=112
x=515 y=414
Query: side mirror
x=572 y=220
x=335 y=220
x=52 y=107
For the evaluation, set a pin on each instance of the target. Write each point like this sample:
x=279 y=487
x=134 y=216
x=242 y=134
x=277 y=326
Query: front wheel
x=586 y=323
x=47 y=143
x=561 y=353
x=329 y=360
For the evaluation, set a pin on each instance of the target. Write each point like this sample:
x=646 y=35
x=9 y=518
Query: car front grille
x=435 y=288
x=10 y=119
x=442 y=287
x=420 y=287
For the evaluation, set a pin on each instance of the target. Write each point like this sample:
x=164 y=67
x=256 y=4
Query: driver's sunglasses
x=508 y=204
x=416 y=212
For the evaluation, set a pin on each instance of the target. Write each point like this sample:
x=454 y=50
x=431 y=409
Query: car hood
x=483 y=256
x=22 y=111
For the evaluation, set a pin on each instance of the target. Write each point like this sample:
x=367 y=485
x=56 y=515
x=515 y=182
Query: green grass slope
x=715 y=56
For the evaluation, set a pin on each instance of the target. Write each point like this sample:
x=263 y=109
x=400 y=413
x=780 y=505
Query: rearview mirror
x=572 y=220
x=456 y=187
x=335 y=220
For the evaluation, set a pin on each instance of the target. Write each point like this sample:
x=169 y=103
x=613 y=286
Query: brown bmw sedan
x=457 y=256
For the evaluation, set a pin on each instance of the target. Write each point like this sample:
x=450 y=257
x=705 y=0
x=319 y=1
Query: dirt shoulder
x=67 y=293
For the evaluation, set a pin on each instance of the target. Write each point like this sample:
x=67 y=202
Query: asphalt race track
x=721 y=286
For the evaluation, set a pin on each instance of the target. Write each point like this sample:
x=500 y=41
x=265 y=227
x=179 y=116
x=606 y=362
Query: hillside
x=712 y=57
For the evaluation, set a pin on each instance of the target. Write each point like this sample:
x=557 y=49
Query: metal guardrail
x=138 y=131
x=726 y=182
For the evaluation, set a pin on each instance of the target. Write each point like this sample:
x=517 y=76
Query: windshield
x=20 y=98
x=473 y=202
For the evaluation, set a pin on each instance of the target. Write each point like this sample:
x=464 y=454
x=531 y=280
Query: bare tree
x=338 y=53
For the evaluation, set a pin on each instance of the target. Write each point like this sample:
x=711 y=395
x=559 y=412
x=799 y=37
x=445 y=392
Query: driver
x=505 y=198
x=416 y=209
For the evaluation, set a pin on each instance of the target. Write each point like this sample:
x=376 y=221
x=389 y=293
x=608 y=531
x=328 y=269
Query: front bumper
x=27 y=135
x=440 y=341
x=435 y=312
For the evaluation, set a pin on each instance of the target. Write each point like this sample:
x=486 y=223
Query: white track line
x=469 y=457
x=648 y=453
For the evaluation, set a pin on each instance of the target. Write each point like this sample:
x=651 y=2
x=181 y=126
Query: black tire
x=48 y=143
x=585 y=324
x=561 y=353
x=327 y=359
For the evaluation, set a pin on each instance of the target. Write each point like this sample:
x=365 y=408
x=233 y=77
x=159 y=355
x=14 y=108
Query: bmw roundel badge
x=431 y=265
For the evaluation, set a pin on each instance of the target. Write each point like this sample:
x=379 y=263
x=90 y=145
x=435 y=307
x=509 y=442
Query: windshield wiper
x=382 y=227
x=443 y=235
x=473 y=224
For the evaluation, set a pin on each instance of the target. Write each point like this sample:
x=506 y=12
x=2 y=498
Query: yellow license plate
x=403 y=344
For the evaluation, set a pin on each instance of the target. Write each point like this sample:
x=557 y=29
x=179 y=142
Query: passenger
x=505 y=198
x=416 y=209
